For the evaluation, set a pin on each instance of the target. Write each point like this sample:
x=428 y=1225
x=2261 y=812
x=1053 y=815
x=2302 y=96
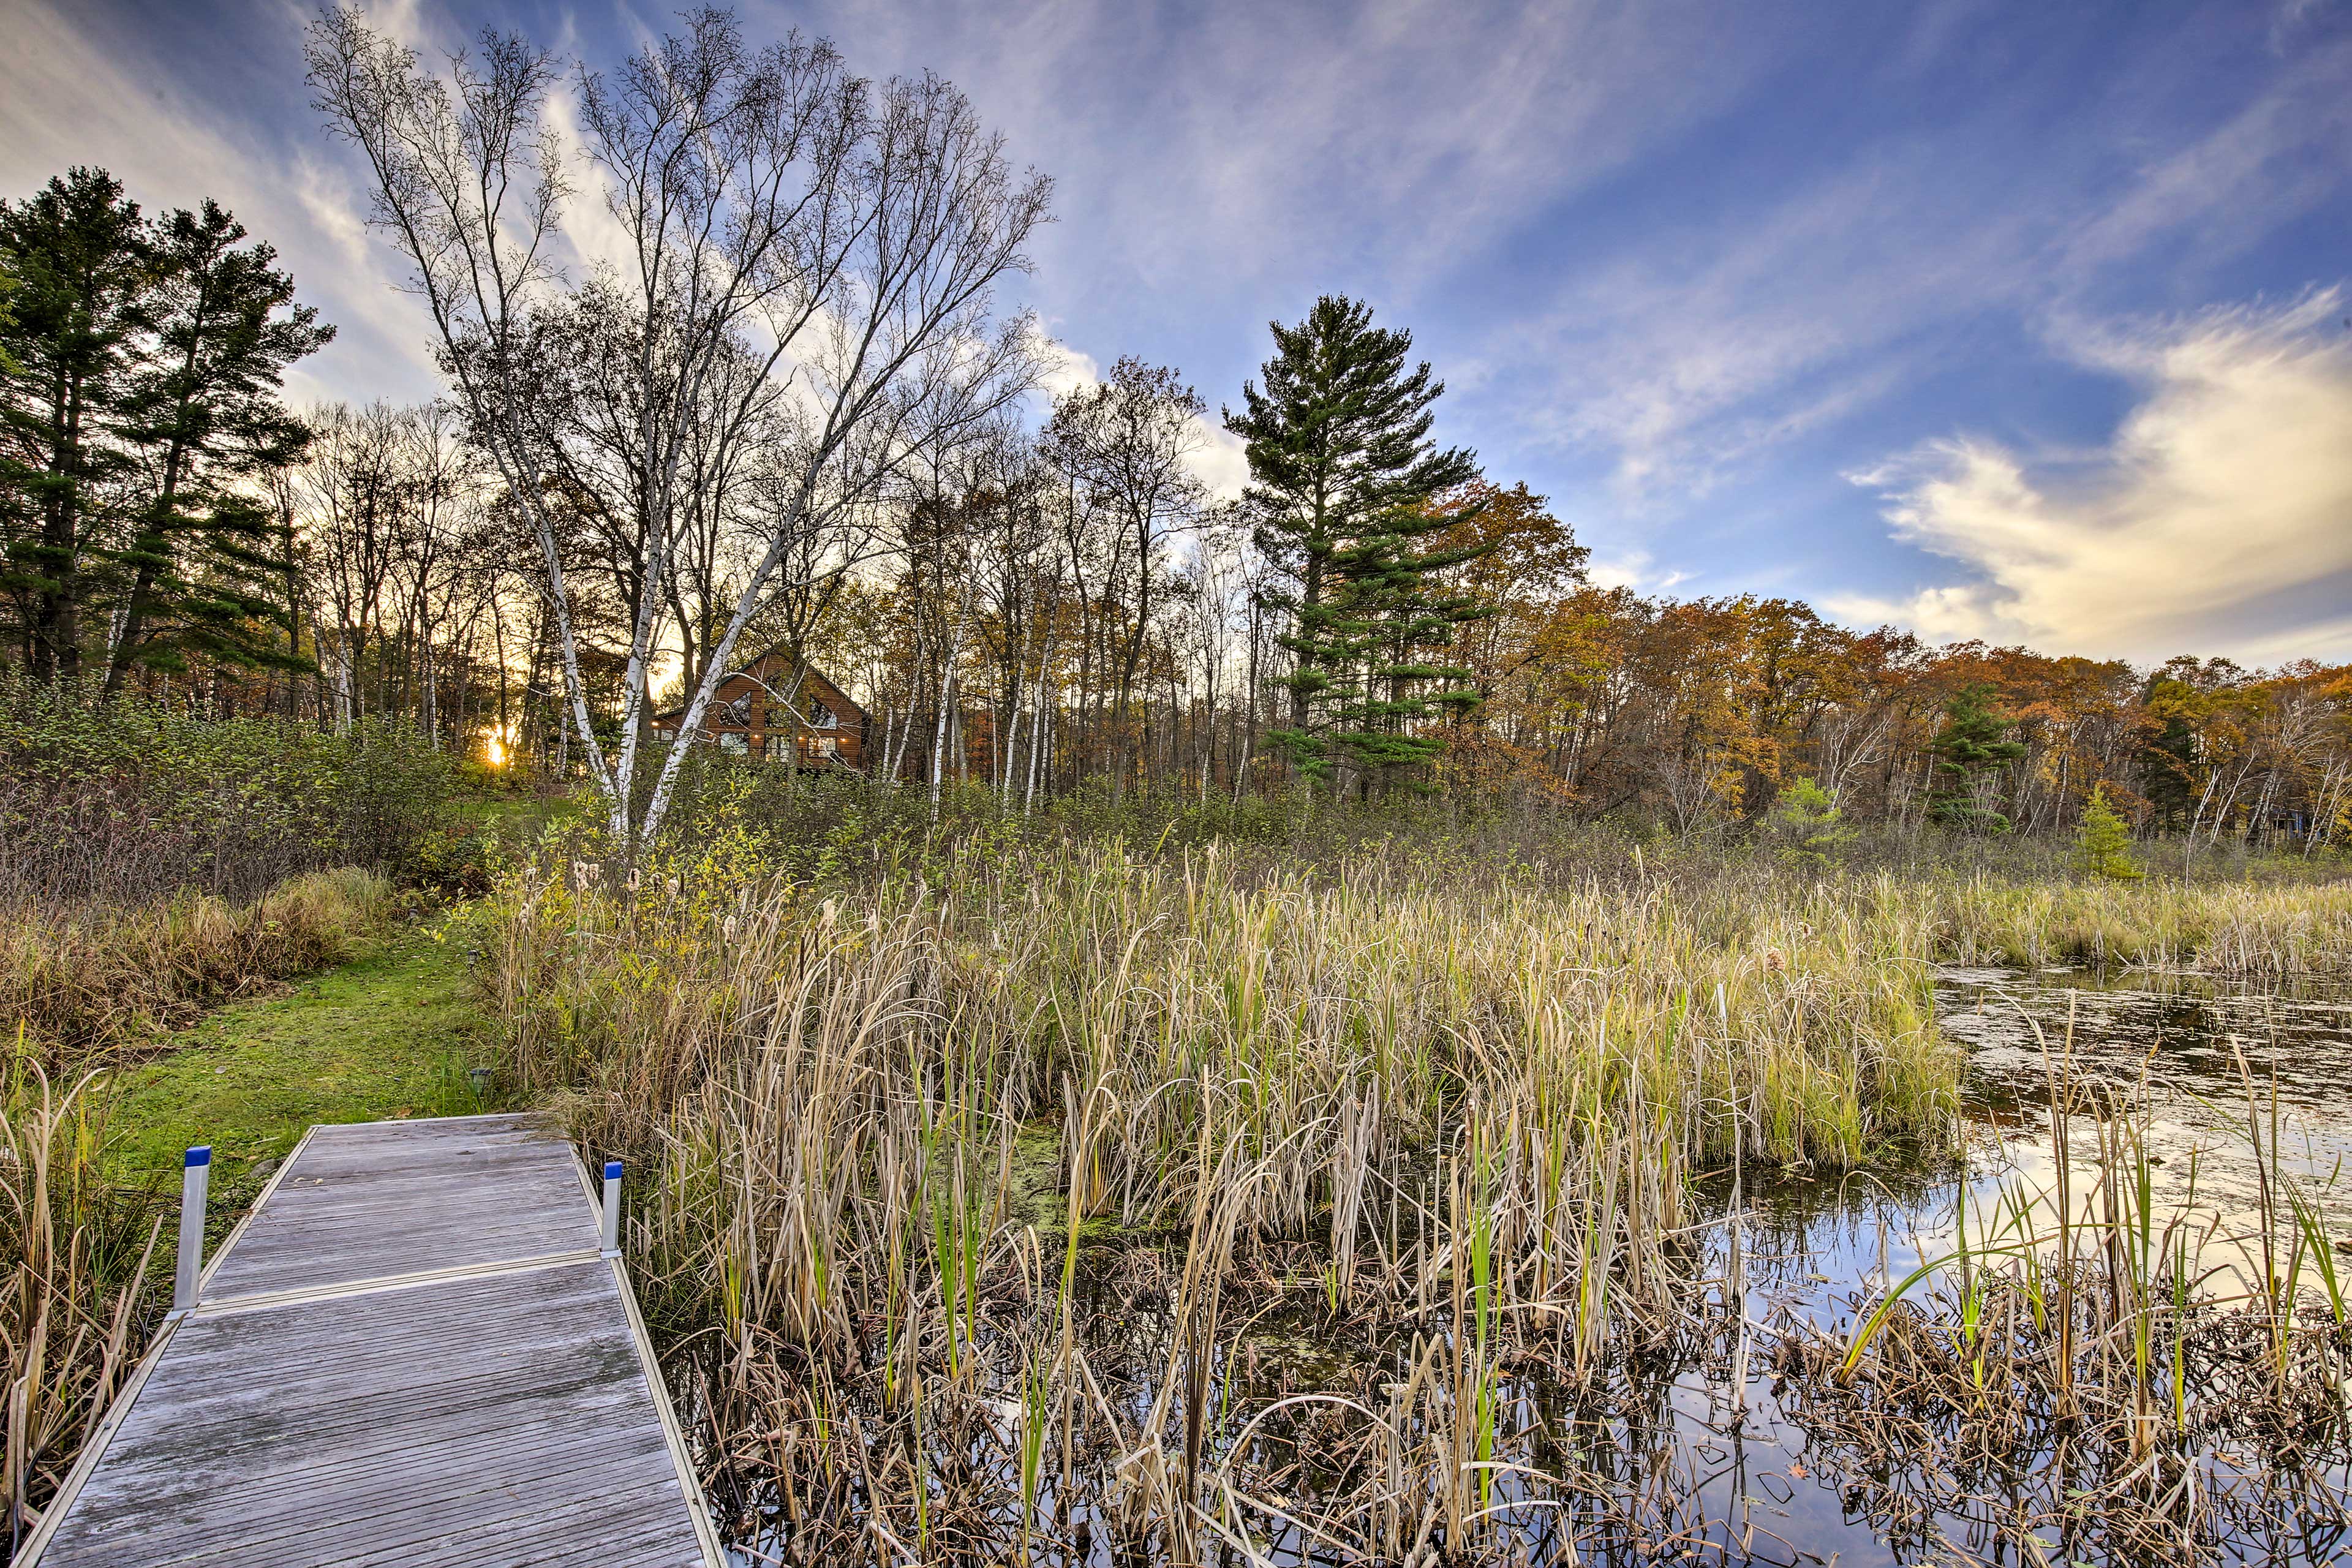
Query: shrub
x=77 y=978
x=2103 y=844
x=132 y=801
x=1807 y=824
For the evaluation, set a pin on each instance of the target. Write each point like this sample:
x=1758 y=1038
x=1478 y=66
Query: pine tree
x=78 y=250
x=2102 y=842
x=1343 y=475
x=1971 y=744
x=150 y=360
x=204 y=559
x=1811 y=827
x=8 y=285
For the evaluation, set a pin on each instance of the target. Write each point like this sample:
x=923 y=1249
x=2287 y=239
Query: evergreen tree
x=148 y=360
x=2102 y=842
x=1343 y=476
x=1971 y=744
x=205 y=406
x=1808 y=823
x=79 y=254
x=8 y=366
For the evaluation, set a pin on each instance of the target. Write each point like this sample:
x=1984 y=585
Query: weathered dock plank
x=382 y=1199
x=410 y=1352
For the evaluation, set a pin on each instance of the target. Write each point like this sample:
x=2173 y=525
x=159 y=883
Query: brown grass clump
x=80 y=978
x=74 y=1249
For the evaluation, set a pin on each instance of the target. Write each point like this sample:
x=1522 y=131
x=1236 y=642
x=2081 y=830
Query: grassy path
x=388 y=1032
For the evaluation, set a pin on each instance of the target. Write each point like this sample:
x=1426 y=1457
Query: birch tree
x=852 y=233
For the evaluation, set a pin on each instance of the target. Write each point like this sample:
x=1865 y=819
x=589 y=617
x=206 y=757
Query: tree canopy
x=1343 y=484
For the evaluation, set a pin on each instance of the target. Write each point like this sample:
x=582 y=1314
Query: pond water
x=2230 y=1087
x=1676 y=1457
x=2221 y=1078
x=2230 y=1072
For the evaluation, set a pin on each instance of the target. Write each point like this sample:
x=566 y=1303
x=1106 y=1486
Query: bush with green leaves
x=130 y=800
x=2102 y=842
x=1806 y=825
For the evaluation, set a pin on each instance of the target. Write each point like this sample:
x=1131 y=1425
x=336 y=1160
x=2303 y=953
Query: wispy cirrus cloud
x=71 y=93
x=1680 y=264
x=2250 y=167
x=2221 y=510
x=1681 y=365
x=1677 y=363
x=1198 y=144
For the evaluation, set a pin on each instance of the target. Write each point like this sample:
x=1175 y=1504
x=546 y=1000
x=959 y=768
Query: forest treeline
x=802 y=423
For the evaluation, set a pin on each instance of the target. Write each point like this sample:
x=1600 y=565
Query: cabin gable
x=774 y=711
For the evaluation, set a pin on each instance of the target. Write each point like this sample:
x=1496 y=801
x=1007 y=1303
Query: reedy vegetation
x=1452 y=1110
x=2232 y=927
x=77 y=1251
x=2094 y=1361
x=78 y=979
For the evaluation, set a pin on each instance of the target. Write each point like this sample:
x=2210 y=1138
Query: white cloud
x=1220 y=461
x=2215 y=519
x=72 y=94
x=1634 y=569
x=1068 y=369
x=1680 y=360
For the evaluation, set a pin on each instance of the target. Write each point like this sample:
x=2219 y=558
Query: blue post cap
x=611 y=1170
x=202 y=1154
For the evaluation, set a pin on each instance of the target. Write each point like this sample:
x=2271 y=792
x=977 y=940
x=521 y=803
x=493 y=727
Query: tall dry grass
x=2237 y=928
x=83 y=978
x=74 y=1249
x=1450 y=1113
x=884 y=1120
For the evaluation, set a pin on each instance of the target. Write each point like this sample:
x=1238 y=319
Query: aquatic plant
x=985 y=1173
x=77 y=1249
x=2091 y=1370
x=2232 y=927
x=1476 y=1102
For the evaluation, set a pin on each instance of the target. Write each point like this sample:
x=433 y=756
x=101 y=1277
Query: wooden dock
x=412 y=1350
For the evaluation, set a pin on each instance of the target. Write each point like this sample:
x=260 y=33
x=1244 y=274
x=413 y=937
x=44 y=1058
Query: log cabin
x=776 y=710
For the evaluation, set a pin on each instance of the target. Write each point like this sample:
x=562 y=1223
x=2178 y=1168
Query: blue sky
x=2017 y=320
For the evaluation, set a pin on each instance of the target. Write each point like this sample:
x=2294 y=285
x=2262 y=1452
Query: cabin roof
x=845 y=708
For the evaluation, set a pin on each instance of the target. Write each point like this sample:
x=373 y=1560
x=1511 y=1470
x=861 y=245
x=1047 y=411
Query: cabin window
x=734 y=745
x=821 y=717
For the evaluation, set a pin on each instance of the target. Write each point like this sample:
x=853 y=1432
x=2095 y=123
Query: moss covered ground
x=390 y=1032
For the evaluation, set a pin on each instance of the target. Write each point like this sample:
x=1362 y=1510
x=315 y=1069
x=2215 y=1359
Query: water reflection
x=1673 y=1456
x=2237 y=1085
x=2234 y=1092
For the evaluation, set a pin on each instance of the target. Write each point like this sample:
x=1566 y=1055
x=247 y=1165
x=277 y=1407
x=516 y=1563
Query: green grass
x=388 y=1034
